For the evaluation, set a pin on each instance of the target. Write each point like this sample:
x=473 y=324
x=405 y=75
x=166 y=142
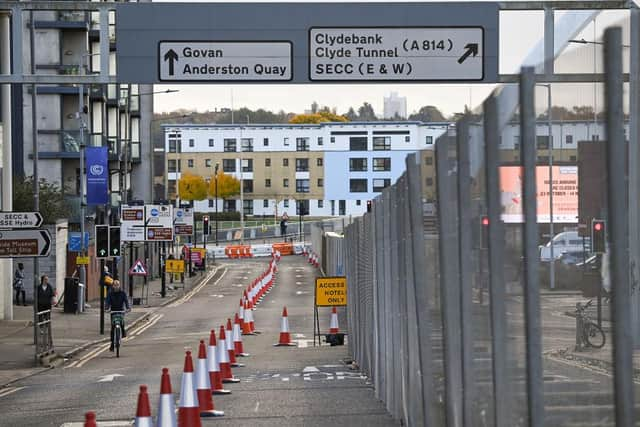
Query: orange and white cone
x=203 y=385
x=246 y=326
x=230 y=347
x=189 y=411
x=215 y=377
x=285 y=335
x=237 y=338
x=90 y=419
x=333 y=327
x=166 y=406
x=223 y=360
x=143 y=412
x=241 y=314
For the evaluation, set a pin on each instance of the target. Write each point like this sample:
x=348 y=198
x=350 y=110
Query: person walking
x=18 y=284
x=46 y=295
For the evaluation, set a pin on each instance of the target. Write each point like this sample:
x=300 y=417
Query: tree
x=366 y=113
x=228 y=186
x=319 y=117
x=53 y=205
x=351 y=115
x=192 y=187
x=428 y=113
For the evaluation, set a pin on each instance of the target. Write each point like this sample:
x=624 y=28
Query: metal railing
x=44 y=336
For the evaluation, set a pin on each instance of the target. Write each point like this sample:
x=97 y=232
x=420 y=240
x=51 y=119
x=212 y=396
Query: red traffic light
x=485 y=220
x=597 y=226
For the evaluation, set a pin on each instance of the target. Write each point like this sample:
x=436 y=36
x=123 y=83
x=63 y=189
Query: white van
x=567 y=242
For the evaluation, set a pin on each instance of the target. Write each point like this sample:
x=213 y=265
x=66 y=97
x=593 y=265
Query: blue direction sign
x=75 y=242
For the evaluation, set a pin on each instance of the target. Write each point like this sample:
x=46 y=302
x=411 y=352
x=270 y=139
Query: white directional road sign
x=183 y=221
x=396 y=54
x=20 y=219
x=132 y=224
x=159 y=222
x=24 y=243
x=224 y=61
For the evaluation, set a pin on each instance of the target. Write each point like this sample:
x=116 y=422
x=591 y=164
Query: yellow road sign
x=174 y=266
x=82 y=260
x=331 y=291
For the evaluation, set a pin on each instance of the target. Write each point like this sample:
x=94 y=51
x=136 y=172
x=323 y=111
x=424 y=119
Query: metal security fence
x=456 y=327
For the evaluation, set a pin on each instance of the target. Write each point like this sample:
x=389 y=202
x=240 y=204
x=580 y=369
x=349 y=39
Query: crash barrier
x=445 y=305
x=250 y=251
x=204 y=374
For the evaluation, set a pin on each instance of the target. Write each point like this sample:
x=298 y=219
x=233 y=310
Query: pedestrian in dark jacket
x=117 y=300
x=18 y=284
x=45 y=294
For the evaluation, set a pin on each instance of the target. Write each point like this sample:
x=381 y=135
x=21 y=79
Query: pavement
x=73 y=333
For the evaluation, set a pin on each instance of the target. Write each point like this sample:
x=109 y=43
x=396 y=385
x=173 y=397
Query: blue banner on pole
x=97 y=175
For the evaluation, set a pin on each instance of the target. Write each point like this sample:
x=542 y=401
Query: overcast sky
x=449 y=98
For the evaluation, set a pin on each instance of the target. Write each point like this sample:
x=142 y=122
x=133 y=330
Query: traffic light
x=205 y=225
x=598 y=235
x=114 y=241
x=102 y=241
x=484 y=232
x=369 y=206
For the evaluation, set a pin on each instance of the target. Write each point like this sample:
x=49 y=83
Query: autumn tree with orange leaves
x=228 y=186
x=192 y=187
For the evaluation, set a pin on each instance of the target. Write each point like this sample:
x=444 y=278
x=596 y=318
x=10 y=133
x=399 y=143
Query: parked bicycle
x=117 y=321
x=592 y=335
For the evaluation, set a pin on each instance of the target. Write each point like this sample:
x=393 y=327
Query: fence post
x=618 y=218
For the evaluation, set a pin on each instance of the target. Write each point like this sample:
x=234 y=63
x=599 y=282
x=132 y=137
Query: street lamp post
x=215 y=177
x=550 y=153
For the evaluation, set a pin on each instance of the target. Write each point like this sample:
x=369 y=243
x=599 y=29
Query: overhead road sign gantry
x=307 y=42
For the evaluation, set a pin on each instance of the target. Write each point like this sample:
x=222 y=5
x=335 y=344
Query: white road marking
x=295 y=375
x=300 y=336
x=299 y=276
x=275 y=375
x=285 y=379
x=310 y=369
x=257 y=406
x=87 y=357
x=109 y=378
x=299 y=283
x=147 y=326
x=301 y=292
x=340 y=377
x=9 y=390
x=123 y=423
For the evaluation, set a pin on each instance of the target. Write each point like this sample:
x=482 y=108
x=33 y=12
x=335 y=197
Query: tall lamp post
x=552 y=258
x=215 y=177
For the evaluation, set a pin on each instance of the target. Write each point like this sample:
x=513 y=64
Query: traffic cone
x=249 y=313
x=246 y=326
x=203 y=385
x=237 y=338
x=241 y=314
x=143 y=413
x=188 y=412
x=285 y=336
x=166 y=406
x=230 y=348
x=333 y=327
x=90 y=419
x=223 y=360
x=215 y=378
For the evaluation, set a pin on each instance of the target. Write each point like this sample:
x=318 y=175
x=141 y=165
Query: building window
x=265 y=142
x=247 y=165
x=210 y=142
x=320 y=182
x=285 y=203
x=595 y=137
x=428 y=160
x=358 y=202
x=265 y=203
x=246 y=144
x=285 y=162
x=428 y=139
x=381 y=143
x=381 y=164
x=321 y=203
x=573 y=159
x=228 y=165
x=319 y=161
x=320 y=141
x=172 y=166
x=516 y=140
x=302 y=185
x=542 y=142
x=285 y=182
x=229 y=205
x=230 y=145
x=302 y=144
x=380 y=183
x=267 y=162
x=516 y=146
x=174 y=146
x=189 y=163
x=286 y=141
x=212 y=203
x=358 y=185
x=267 y=182
x=171 y=187
x=429 y=182
x=248 y=207
x=358 y=164
x=192 y=143
x=302 y=207
x=543 y=159
x=207 y=163
x=568 y=139
x=333 y=139
x=407 y=138
x=358 y=143
x=247 y=185
x=302 y=165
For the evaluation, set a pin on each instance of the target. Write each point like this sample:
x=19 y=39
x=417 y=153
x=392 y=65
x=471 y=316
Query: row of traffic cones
x=312 y=257
x=285 y=333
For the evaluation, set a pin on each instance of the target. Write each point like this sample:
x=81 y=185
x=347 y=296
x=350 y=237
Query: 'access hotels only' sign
x=331 y=291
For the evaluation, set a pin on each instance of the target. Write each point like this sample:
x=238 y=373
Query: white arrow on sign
x=24 y=243
x=20 y=219
x=109 y=378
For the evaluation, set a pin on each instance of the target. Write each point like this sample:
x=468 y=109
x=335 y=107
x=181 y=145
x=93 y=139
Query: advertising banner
x=97 y=175
x=565 y=194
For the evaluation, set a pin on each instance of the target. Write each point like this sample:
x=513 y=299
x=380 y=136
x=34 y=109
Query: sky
x=449 y=98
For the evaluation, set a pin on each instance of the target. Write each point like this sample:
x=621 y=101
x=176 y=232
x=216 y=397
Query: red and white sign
x=138 y=269
x=196 y=257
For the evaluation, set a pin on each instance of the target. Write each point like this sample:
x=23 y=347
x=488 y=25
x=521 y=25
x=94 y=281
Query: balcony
x=66 y=20
x=67 y=145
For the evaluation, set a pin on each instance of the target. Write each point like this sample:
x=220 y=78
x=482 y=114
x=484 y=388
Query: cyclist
x=117 y=300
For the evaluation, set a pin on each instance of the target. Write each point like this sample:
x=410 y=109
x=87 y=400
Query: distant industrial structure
x=395 y=107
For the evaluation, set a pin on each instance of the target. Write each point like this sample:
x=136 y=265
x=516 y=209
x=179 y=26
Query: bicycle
x=592 y=335
x=117 y=320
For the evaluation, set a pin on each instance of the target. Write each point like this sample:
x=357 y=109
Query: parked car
x=567 y=242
